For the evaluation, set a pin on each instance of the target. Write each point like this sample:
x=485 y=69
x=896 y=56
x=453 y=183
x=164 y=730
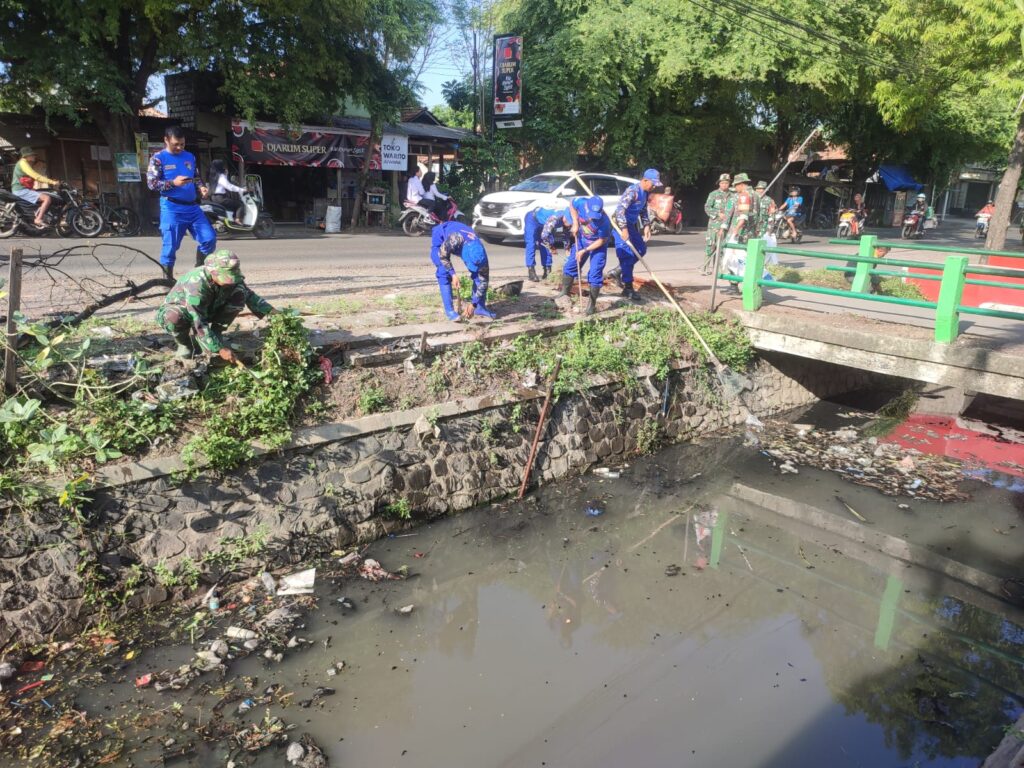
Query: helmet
x=922 y=196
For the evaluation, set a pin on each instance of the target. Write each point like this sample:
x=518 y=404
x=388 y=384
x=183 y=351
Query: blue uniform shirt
x=164 y=168
x=594 y=229
x=543 y=214
x=632 y=207
x=457 y=237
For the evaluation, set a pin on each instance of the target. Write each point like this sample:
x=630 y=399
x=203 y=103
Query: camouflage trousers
x=178 y=323
x=710 y=240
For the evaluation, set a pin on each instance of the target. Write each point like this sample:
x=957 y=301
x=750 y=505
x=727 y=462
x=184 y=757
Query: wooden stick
x=13 y=306
x=540 y=427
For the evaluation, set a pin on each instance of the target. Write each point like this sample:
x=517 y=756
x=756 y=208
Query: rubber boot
x=480 y=310
x=446 y=300
x=592 y=306
x=168 y=271
x=547 y=271
x=566 y=285
x=616 y=275
x=629 y=293
x=533 y=275
x=200 y=258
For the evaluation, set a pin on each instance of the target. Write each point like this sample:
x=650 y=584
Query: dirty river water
x=684 y=625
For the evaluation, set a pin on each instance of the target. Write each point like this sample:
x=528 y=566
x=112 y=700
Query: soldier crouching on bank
x=204 y=302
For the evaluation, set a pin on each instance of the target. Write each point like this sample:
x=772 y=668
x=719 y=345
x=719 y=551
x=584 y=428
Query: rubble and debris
x=261 y=735
x=672 y=570
x=268 y=583
x=371 y=570
x=239 y=633
x=405 y=610
x=865 y=460
x=299 y=583
x=593 y=511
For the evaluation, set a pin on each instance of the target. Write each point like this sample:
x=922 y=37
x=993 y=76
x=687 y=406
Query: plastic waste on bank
x=299 y=583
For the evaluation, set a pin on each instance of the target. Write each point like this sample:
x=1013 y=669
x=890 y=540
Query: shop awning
x=897 y=178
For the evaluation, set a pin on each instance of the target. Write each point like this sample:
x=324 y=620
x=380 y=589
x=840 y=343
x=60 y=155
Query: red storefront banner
x=270 y=144
x=508 y=84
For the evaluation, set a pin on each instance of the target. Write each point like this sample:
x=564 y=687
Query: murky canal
x=691 y=612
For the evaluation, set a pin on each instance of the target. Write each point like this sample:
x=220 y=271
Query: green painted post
x=862 y=277
x=951 y=291
x=718 y=533
x=753 y=296
x=887 y=612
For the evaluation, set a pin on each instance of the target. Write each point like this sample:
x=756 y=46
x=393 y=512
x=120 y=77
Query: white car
x=499 y=215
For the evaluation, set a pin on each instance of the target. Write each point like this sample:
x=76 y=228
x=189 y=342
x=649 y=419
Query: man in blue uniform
x=173 y=173
x=632 y=220
x=533 y=227
x=592 y=240
x=453 y=238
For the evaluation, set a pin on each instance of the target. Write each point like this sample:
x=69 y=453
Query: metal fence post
x=753 y=296
x=951 y=291
x=862 y=277
x=13 y=306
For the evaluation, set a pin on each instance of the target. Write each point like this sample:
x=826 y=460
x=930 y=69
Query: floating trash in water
x=300 y=583
x=607 y=472
x=594 y=511
x=672 y=570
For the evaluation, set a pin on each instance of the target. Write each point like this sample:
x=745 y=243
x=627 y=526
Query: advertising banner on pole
x=127 y=166
x=508 y=84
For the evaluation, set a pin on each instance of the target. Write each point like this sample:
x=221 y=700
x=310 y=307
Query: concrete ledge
x=967 y=368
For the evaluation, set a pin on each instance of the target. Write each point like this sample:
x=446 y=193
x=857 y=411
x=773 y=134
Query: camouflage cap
x=724 y=177
x=762 y=185
x=741 y=178
x=224 y=267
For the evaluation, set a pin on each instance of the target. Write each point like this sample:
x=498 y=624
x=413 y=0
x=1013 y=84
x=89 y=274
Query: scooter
x=778 y=226
x=417 y=220
x=672 y=221
x=849 y=224
x=910 y=225
x=254 y=219
x=981 y=228
x=67 y=215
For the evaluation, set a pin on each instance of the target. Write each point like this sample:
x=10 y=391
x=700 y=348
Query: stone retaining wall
x=307 y=501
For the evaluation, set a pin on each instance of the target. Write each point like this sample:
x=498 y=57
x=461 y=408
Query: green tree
x=291 y=60
x=961 y=78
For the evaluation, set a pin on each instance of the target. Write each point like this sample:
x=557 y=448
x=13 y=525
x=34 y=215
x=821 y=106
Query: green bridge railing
x=864 y=265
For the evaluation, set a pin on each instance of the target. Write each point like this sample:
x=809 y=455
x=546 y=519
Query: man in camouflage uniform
x=204 y=302
x=741 y=212
x=715 y=209
x=765 y=209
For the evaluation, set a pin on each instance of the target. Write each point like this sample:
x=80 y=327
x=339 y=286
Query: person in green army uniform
x=204 y=302
x=715 y=210
x=765 y=209
x=741 y=211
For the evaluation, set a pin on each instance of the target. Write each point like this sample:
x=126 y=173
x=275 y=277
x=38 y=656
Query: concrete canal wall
x=341 y=483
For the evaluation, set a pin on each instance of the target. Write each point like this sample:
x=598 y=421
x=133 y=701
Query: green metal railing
x=948 y=307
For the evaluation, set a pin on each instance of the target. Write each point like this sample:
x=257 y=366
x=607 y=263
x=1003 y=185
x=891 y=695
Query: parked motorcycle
x=910 y=225
x=68 y=214
x=665 y=214
x=777 y=226
x=981 y=227
x=254 y=219
x=849 y=224
x=417 y=220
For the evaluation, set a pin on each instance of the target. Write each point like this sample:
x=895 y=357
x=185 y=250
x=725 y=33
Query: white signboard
x=394 y=152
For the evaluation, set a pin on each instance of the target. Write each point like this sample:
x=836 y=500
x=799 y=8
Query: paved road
x=299 y=263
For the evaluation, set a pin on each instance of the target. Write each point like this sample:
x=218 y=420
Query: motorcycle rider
x=921 y=208
x=224 y=192
x=860 y=211
x=414 y=190
x=987 y=210
x=173 y=173
x=23 y=182
x=792 y=208
x=434 y=199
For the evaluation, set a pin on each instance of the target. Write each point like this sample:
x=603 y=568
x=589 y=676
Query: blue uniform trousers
x=595 y=276
x=628 y=259
x=531 y=235
x=175 y=220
